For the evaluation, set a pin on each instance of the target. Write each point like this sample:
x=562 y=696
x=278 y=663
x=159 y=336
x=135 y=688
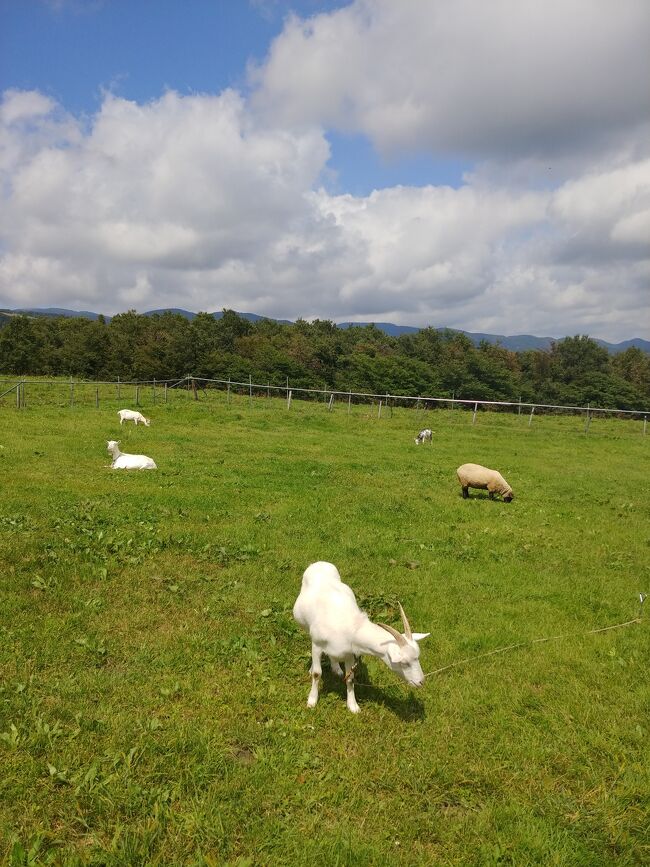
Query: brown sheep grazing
x=476 y=476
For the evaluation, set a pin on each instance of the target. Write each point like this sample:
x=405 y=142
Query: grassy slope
x=154 y=684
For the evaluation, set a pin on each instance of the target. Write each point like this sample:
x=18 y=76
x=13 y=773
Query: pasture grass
x=154 y=684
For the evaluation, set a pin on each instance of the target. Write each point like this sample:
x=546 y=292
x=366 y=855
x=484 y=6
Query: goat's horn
x=407 y=628
x=399 y=638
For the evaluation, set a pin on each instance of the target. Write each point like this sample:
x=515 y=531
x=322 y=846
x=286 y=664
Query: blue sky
x=480 y=166
x=139 y=48
x=73 y=51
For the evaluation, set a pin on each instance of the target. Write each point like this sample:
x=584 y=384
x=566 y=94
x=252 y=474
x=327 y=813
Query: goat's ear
x=395 y=653
x=418 y=636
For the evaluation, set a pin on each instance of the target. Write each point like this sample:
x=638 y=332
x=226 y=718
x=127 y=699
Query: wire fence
x=26 y=392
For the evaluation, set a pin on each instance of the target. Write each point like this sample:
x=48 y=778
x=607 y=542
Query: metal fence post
x=474 y=416
x=289 y=400
x=587 y=420
x=154 y=391
x=165 y=392
x=349 y=402
x=137 y=395
x=645 y=424
x=530 y=420
x=96 y=397
x=119 y=389
x=250 y=390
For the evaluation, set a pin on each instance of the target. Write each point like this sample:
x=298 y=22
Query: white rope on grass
x=642 y=597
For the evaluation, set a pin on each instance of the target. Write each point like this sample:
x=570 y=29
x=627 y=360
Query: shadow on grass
x=484 y=496
x=408 y=707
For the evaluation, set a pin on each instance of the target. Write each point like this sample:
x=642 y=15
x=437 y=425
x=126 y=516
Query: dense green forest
x=575 y=371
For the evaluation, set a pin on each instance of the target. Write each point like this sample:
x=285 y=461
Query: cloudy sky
x=477 y=164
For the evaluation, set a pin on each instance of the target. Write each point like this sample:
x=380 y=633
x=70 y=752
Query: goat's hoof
x=354 y=708
x=311 y=702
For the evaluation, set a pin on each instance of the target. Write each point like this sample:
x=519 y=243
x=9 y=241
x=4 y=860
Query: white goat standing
x=424 y=435
x=128 y=462
x=328 y=610
x=132 y=415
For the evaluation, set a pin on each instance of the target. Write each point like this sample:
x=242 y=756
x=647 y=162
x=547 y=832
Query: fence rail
x=9 y=390
x=329 y=395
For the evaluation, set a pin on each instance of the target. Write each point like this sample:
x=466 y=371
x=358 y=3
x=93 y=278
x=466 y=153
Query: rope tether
x=642 y=598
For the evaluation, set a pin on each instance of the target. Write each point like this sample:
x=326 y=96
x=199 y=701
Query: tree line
x=575 y=371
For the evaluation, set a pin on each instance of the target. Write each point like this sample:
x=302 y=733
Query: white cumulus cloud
x=509 y=78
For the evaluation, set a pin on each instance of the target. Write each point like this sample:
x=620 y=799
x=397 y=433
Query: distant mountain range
x=517 y=342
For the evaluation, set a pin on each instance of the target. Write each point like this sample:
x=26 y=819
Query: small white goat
x=328 y=610
x=128 y=462
x=132 y=415
x=423 y=436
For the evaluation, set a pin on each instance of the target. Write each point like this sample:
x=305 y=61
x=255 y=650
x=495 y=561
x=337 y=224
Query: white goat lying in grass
x=128 y=462
x=328 y=610
x=132 y=415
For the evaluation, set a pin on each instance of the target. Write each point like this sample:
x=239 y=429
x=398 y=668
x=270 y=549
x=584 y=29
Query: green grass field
x=153 y=682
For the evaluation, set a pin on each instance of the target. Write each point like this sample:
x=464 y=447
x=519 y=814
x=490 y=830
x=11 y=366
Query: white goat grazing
x=424 y=435
x=328 y=610
x=132 y=415
x=128 y=462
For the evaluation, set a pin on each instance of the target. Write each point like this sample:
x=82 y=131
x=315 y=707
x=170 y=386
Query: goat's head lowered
x=403 y=655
